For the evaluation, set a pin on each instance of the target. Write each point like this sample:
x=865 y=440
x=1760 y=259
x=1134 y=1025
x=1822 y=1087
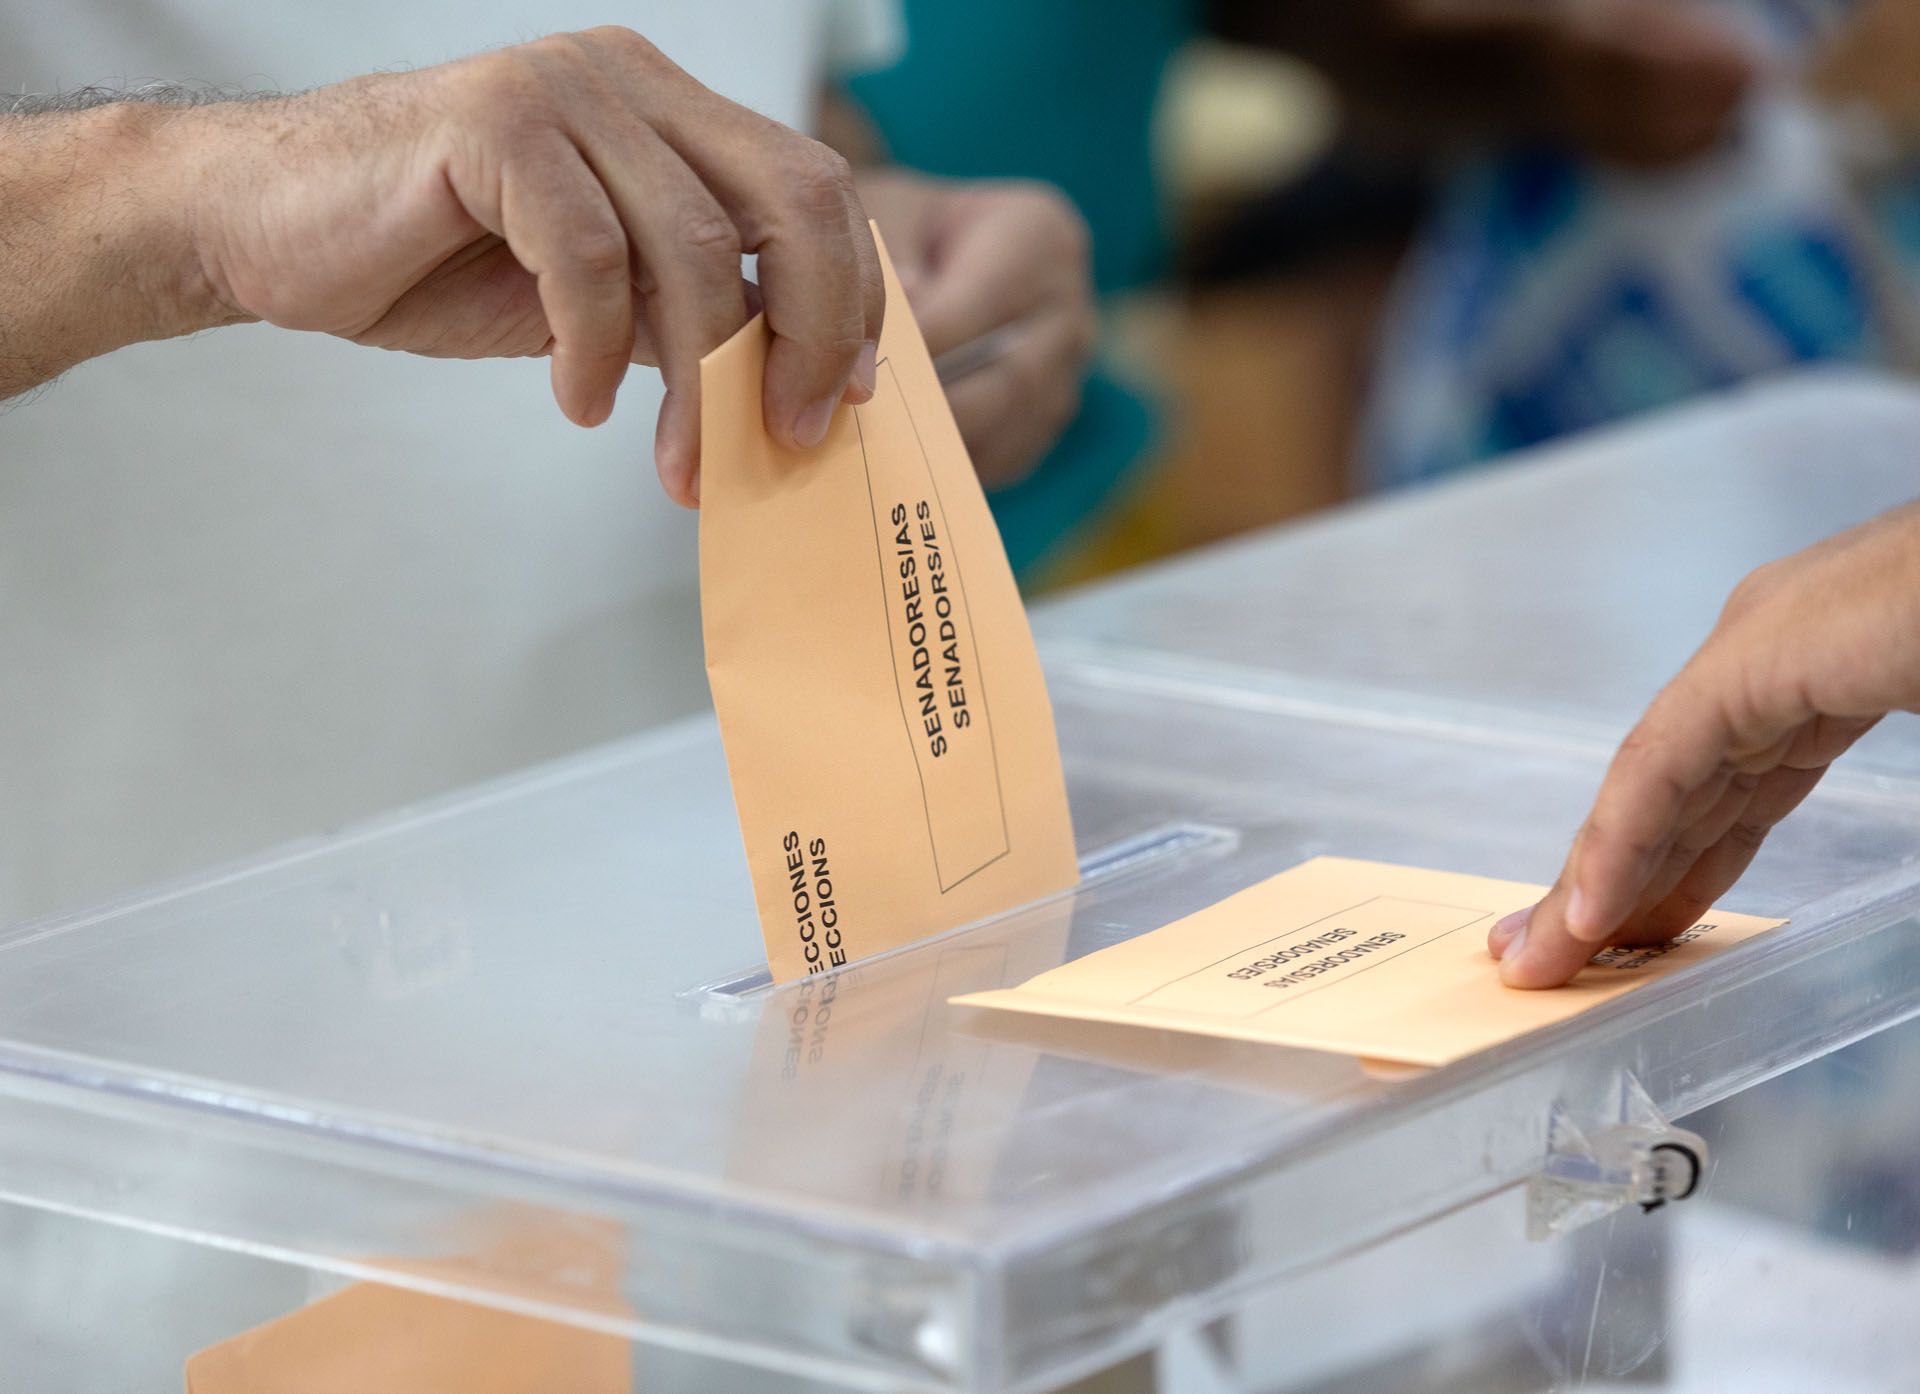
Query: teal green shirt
x=1064 y=91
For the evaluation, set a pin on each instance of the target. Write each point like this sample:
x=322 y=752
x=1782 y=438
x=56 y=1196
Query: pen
x=963 y=360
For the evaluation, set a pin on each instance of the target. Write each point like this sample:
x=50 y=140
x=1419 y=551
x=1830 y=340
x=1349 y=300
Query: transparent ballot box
x=1564 y=584
x=515 y=1051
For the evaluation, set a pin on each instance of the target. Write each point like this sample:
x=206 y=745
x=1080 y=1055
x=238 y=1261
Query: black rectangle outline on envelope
x=979 y=660
x=1297 y=930
x=1373 y=963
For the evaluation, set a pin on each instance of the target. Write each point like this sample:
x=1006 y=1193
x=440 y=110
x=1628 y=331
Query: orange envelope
x=1363 y=958
x=886 y=722
x=382 y=1339
x=373 y=1339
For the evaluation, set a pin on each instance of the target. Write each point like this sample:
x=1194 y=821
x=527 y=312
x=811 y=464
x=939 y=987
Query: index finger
x=688 y=254
x=559 y=224
x=794 y=202
x=825 y=299
x=1667 y=760
x=1675 y=749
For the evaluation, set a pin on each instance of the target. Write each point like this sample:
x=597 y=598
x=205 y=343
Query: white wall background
x=258 y=583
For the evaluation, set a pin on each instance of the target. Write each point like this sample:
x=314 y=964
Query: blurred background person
x=1355 y=244
x=1621 y=204
x=1064 y=93
x=1684 y=215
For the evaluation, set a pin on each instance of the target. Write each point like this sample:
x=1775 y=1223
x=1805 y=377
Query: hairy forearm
x=96 y=236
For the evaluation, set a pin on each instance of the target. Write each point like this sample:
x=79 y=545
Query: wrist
x=165 y=151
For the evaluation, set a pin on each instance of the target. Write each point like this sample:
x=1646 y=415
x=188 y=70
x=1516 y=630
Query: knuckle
x=1635 y=844
x=1687 y=846
x=838 y=346
x=628 y=45
x=1686 y=905
x=504 y=82
x=1639 y=748
x=608 y=338
x=706 y=230
x=557 y=57
x=830 y=344
x=828 y=333
x=1753 y=591
x=598 y=253
x=820 y=182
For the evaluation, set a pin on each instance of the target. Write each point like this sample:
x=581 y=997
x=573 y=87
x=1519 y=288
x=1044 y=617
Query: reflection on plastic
x=381 y=1339
x=874 y=1050
x=385 y=1340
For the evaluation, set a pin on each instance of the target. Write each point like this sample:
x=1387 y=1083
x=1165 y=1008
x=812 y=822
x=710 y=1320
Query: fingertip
x=1529 y=964
x=676 y=454
x=1543 y=955
x=1583 y=918
x=873 y=285
x=1516 y=971
x=682 y=489
x=800 y=390
x=581 y=403
x=809 y=428
x=865 y=379
x=1510 y=929
x=1510 y=960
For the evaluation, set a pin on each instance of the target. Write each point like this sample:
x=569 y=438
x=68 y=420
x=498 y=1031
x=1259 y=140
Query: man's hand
x=579 y=196
x=1000 y=268
x=1809 y=653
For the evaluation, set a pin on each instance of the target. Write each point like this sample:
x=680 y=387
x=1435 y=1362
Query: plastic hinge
x=1630 y=1155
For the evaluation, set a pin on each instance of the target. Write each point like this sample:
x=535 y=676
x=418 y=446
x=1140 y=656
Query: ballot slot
x=1151 y=850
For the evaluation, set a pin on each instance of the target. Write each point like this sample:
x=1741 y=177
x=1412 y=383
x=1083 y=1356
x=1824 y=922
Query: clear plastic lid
x=506 y=1044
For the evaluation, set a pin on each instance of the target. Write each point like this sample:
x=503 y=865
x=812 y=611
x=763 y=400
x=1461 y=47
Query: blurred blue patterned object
x=1549 y=295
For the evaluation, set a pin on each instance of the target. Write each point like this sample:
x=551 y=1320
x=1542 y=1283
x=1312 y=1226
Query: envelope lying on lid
x=886 y=724
x=1383 y=962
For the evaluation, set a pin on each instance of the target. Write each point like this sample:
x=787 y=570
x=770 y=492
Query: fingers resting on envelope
x=1808 y=655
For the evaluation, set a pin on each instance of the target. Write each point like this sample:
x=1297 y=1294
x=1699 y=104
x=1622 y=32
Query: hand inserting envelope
x=886 y=723
x=1362 y=958
x=896 y=772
